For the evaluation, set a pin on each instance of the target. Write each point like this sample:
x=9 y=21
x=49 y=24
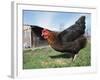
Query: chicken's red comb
x=44 y=30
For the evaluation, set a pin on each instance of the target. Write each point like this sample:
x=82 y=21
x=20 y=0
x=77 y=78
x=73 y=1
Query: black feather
x=74 y=31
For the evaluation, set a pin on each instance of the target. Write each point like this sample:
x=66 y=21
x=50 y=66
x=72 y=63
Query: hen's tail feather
x=81 y=20
x=81 y=23
x=74 y=31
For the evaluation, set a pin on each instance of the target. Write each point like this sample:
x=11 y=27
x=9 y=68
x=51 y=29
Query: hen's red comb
x=44 y=30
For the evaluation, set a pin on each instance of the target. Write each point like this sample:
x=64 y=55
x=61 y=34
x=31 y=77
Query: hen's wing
x=74 y=31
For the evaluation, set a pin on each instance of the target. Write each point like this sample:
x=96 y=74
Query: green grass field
x=49 y=58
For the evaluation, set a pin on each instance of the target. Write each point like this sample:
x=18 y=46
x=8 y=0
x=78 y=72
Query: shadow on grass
x=66 y=55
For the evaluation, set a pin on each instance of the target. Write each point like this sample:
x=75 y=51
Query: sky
x=56 y=21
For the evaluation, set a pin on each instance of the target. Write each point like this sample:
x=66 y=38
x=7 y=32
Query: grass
x=49 y=58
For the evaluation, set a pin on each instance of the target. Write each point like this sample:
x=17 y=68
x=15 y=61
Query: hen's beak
x=42 y=33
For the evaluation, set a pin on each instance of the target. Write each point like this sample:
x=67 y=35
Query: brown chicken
x=71 y=40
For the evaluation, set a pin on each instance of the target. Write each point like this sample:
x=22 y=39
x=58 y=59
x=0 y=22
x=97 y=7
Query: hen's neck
x=52 y=38
x=54 y=42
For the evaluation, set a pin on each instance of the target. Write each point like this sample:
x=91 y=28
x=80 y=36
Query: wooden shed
x=32 y=36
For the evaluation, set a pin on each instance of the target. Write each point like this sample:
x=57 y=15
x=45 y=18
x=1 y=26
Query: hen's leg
x=74 y=57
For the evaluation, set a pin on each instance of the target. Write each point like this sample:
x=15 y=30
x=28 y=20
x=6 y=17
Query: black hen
x=71 y=40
